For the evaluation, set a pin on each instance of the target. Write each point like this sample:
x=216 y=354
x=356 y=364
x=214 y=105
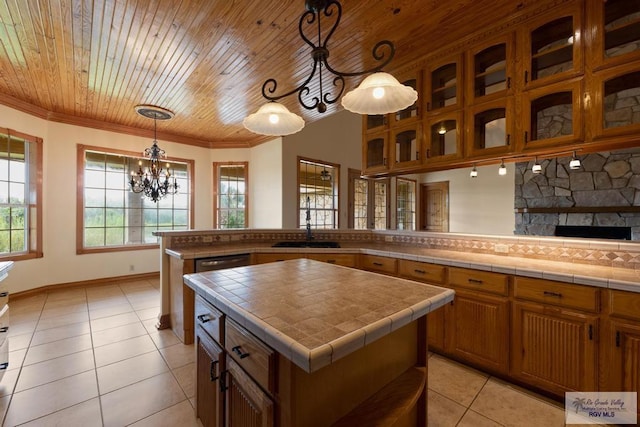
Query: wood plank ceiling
x=89 y=62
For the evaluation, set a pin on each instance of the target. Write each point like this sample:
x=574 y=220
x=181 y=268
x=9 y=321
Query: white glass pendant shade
x=273 y=119
x=574 y=164
x=379 y=93
x=474 y=172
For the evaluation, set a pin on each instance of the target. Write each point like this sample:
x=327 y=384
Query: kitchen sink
x=306 y=244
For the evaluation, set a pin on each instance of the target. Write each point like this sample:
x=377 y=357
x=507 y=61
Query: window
x=20 y=196
x=405 y=204
x=230 y=201
x=318 y=193
x=112 y=217
x=369 y=201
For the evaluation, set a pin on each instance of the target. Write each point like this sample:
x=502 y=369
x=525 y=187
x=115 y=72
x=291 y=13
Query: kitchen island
x=302 y=342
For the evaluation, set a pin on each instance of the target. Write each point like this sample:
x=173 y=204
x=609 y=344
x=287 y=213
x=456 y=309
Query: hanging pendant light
x=273 y=119
x=474 y=172
x=502 y=170
x=153 y=182
x=380 y=93
x=536 y=168
x=574 y=164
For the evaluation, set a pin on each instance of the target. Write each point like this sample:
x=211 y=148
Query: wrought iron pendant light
x=379 y=93
x=153 y=182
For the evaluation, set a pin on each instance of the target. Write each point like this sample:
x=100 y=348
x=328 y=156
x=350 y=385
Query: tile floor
x=92 y=357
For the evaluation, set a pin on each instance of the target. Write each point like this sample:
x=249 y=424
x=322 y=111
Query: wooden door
x=554 y=348
x=621 y=371
x=209 y=357
x=246 y=404
x=435 y=206
x=479 y=331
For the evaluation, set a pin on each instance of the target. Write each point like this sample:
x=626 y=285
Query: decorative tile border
x=591 y=252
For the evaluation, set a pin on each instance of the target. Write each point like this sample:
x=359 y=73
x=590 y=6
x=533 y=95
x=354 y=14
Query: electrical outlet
x=132 y=267
x=501 y=248
x=388 y=238
x=207 y=239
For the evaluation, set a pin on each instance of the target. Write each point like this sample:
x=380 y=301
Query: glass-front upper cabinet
x=552 y=115
x=443 y=85
x=490 y=70
x=406 y=146
x=616 y=26
x=443 y=138
x=616 y=102
x=375 y=153
x=553 y=46
x=489 y=128
x=374 y=123
x=412 y=112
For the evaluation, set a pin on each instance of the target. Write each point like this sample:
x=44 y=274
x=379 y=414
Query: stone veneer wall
x=605 y=179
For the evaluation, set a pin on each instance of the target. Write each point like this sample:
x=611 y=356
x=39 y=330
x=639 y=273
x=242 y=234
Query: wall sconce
x=502 y=170
x=536 y=168
x=474 y=172
x=575 y=162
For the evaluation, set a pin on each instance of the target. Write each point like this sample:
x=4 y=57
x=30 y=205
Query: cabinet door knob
x=4 y=366
x=475 y=281
x=204 y=318
x=212 y=371
x=552 y=294
x=4 y=294
x=4 y=329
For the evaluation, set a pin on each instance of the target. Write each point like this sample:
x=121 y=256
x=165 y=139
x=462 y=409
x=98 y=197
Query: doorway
x=434 y=206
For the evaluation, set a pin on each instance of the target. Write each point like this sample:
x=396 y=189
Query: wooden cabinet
x=443 y=138
x=375 y=152
x=620 y=349
x=555 y=331
x=443 y=85
x=209 y=365
x=478 y=320
x=182 y=299
x=616 y=32
x=490 y=128
x=552 y=115
x=552 y=46
x=246 y=404
x=491 y=70
x=379 y=264
x=263 y=258
x=346 y=260
x=406 y=146
x=412 y=113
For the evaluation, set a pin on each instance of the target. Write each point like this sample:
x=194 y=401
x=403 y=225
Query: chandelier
x=379 y=93
x=153 y=182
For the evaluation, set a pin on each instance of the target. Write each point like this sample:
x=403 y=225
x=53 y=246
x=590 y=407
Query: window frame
x=371 y=197
x=33 y=250
x=216 y=195
x=415 y=202
x=336 y=188
x=81 y=150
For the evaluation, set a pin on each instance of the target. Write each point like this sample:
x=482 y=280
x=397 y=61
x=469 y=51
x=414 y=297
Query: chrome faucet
x=308 y=218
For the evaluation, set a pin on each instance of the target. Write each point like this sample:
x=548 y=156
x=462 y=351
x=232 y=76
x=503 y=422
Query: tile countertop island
x=320 y=318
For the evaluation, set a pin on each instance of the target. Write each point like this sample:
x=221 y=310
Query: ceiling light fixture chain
x=383 y=52
x=153 y=182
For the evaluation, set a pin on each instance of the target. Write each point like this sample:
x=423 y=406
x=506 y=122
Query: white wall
x=60 y=263
x=334 y=139
x=483 y=205
x=265 y=185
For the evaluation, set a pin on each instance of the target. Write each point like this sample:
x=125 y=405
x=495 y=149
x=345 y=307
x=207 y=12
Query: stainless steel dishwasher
x=221 y=262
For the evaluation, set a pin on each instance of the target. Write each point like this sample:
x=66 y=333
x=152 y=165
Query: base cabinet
x=209 y=365
x=554 y=348
x=246 y=404
x=479 y=330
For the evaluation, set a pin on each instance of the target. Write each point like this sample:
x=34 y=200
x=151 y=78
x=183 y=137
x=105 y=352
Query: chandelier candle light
x=153 y=182
x=379 y=93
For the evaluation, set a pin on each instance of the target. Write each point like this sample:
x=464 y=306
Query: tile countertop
x=583 y=274
x=314 y=313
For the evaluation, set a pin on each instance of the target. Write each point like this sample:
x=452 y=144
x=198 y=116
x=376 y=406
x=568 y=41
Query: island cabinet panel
x=182 y=299
x=246 y=404
x=478 y=330
x=554 y=348
x=209 y=365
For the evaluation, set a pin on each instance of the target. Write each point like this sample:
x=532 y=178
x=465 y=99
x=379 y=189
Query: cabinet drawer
x=557 y=293
x=210 y=319
x=346 y=260
x=379 y=263
x=257 y=359
x=273 y=257
x=477 y=280
x=624 y=304
x=422 y=271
